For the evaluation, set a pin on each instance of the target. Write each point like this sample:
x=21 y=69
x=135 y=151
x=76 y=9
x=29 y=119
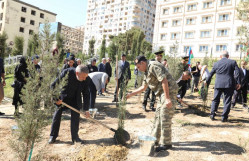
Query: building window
x=225 y=2
x=221 y=47
x=192 y=7
x=177 y=9
x=176 y=22
x=207 y=4
x=23 y=19
x=32 y=22
x=165 y=11
x=0 y=26
x=33 y=12
x=205 y=34
x=189 y=35
x=21 y=29
x=186 y=49
x=203 y=48
x=222 y=32
x=163 y=36
x=239 y=47
x=190 y=21
x=206 y=19
x=24 y=9
x=41 y=15
x=174 y=36
x=173 y=49
x=224 y=17
x=2 y=5
x=1 y=16
x=31 y=32
x=164 y=24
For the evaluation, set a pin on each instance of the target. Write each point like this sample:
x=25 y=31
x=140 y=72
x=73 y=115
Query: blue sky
x=69 y=12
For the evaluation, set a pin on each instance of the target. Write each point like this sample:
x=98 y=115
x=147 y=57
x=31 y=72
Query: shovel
x=121 y=136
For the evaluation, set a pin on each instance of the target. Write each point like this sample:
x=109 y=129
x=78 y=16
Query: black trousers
x=228 y=93
x=93 y=93
x=74 y=121
x=237 y=93
x=121 y=82
x=146 y=96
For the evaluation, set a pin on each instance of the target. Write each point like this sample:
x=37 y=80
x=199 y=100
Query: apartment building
x=207 y=26
x=74 y=38
x=18 y=18
x=111 y=17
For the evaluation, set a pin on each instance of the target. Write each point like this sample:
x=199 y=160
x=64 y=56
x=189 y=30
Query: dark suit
x=226 y=70
x=92 y=68
x=108 y=70
x=71 y=94
x=243 y=90
x=125 y=68
x=101 y=67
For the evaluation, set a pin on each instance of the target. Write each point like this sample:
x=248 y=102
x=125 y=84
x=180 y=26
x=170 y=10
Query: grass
x=8 y=90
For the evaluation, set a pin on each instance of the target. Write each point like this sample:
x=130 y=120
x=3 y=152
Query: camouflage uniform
x=154 y=75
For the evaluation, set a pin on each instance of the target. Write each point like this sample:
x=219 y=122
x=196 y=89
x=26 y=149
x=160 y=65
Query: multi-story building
x=111 y=17
x=18 y=18
x=207 y=26
x=74 y=38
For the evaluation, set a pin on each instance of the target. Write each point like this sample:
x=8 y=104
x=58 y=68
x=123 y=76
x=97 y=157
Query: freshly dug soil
x=102 y=153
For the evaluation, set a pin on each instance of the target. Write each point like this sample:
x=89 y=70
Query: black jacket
x=92 y=68
x=73 y=89
x=108 y=69
x=244 y=78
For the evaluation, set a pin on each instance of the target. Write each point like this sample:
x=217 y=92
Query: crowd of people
x=152 y=76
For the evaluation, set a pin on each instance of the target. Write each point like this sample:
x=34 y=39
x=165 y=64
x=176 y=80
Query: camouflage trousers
x=162 y=125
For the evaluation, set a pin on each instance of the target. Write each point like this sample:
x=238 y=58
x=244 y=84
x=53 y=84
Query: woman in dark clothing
x=70 y=63
x=21 y=73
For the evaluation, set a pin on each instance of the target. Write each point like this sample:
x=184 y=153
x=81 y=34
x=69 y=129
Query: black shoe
x=224 y=120
x=101 y=94
x=17 y=114
x=1 y=113
x=163 y=148
x=144 y=108
x=77 y=140
x=212 y=117
x=152 y=108
x=51 y=140
x=245 y=106
x=115 y=100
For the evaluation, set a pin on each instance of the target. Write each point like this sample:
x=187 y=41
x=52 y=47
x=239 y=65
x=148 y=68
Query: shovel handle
x=89 y=118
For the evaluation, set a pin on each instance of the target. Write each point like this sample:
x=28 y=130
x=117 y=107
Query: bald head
x=225 y=54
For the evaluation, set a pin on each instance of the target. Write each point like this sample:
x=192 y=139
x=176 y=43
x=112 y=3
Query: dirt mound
x=103 y=153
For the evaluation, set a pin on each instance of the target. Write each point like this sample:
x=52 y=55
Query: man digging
x=162 y=83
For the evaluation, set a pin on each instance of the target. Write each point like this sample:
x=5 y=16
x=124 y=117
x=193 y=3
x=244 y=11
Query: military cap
x=139 y=59
x=159 y=52
x=185 y=57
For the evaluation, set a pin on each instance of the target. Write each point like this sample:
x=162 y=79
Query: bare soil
x=195 y=136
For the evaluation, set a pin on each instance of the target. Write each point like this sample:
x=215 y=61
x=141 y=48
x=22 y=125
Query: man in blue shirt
x=2 y=81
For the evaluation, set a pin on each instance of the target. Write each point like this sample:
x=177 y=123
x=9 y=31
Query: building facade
x=111 y=17
x=207 y=26
x=18 y=18
x=73 y=38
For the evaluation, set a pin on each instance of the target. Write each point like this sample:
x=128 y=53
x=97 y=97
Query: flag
x=191 y=55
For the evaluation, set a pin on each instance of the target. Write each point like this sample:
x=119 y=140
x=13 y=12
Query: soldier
x=181 y=68
x=162 y=83
x=159 y=56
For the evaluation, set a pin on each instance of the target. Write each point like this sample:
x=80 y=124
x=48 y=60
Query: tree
x=102 y=48
x=173 y=60
x=112 y=50
x=46 y=38
x=60 y=46
x=33 y=45
x=91 y=47
x=18 y=45
x=140 y=39
x=3 y=45
x=243 y=31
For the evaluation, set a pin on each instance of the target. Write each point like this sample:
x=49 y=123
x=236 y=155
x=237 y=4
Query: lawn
x=8 y=90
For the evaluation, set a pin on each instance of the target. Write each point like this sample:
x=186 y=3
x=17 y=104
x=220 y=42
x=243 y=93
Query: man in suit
x=108 y=69
x=226 y=70
x=92 y=67
x=124 y=75
x=77 y=83
x=244 y=76
x=101 y=66
x=2 y=81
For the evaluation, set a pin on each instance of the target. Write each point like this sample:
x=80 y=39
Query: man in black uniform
x=159 y=56
x=78 y=82
x=92 y=67
x=108 y=69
